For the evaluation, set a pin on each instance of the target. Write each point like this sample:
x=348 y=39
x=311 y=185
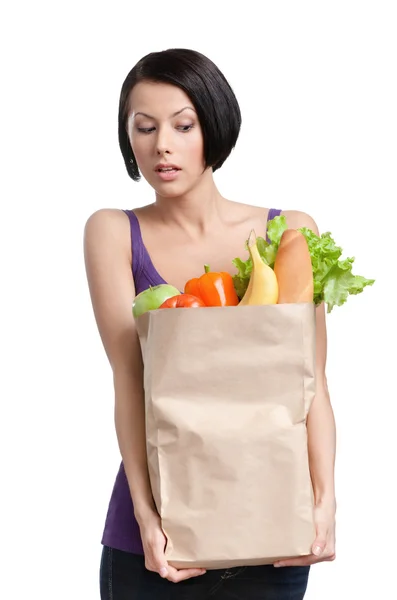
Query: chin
x=171 y=190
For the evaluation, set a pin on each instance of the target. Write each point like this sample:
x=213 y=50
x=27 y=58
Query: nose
x=163 y=141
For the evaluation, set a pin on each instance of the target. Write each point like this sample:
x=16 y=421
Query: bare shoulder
x=107 y=252
x=297 y=219
x=108 y=227
x=105 y=219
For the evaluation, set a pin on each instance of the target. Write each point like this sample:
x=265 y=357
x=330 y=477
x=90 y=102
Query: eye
x=145 y=129
x=185 y=128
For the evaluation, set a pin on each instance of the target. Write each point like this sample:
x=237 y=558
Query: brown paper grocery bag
x=227 y=392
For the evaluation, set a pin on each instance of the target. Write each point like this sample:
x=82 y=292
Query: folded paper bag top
x=227 y=393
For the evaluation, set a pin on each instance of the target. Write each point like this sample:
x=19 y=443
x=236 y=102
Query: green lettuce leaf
x=332 y=276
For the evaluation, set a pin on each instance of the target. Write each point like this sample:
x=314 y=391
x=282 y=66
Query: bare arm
x=107 y=255
x=321 y=432
x=321 y=424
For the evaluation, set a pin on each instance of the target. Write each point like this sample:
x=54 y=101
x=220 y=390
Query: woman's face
x=166 y=137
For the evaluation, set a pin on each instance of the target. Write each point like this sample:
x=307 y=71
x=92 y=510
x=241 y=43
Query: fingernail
x=279 y=565
x=163 y=572
x=317 y=550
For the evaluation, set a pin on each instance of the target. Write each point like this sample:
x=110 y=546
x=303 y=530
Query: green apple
x=152 y=298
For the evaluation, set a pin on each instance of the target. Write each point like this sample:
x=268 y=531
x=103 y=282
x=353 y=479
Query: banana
x=263 y=285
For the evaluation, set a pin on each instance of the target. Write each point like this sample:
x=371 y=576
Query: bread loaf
x=293 y=268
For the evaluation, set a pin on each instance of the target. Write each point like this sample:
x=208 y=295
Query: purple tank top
x=121 y=528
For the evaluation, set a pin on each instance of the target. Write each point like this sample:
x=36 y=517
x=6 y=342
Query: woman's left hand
x=323 y=547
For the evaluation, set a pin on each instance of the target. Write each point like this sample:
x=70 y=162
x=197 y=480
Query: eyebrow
x=175 y=114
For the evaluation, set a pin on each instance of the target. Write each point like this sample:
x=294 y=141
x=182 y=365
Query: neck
x=197 y=210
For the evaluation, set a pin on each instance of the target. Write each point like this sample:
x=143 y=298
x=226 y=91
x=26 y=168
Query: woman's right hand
x=154 y=542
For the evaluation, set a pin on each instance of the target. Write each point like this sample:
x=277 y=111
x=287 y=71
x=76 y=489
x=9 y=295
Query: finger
x=156 y=564
x=307 y=560
x=161 y=565
x=320 y=542
x=176 y=575
x=156 y=560
x=319 y=546
x=303 y=561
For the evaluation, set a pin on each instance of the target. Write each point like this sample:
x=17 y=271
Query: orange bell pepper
x=215 y=289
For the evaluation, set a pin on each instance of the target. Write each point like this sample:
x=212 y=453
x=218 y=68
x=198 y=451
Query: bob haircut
x=212 y=97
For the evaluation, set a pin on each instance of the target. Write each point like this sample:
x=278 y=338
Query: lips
x=167 y=172
x=166 y=168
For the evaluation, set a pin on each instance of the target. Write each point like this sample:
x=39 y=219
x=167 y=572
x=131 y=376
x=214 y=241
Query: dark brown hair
x=212 y=96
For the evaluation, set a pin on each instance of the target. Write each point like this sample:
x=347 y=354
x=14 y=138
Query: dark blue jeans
x=123 y=576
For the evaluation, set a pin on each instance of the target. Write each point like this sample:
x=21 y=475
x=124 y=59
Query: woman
x=178 y=122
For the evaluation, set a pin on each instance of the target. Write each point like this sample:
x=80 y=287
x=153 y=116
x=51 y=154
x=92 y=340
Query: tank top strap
x=273 y=212
x=137 y=247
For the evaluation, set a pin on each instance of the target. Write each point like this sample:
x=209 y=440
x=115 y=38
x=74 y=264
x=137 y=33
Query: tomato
x=183 y=301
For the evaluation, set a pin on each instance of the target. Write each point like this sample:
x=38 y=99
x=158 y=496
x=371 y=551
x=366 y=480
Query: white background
x=316 y=82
